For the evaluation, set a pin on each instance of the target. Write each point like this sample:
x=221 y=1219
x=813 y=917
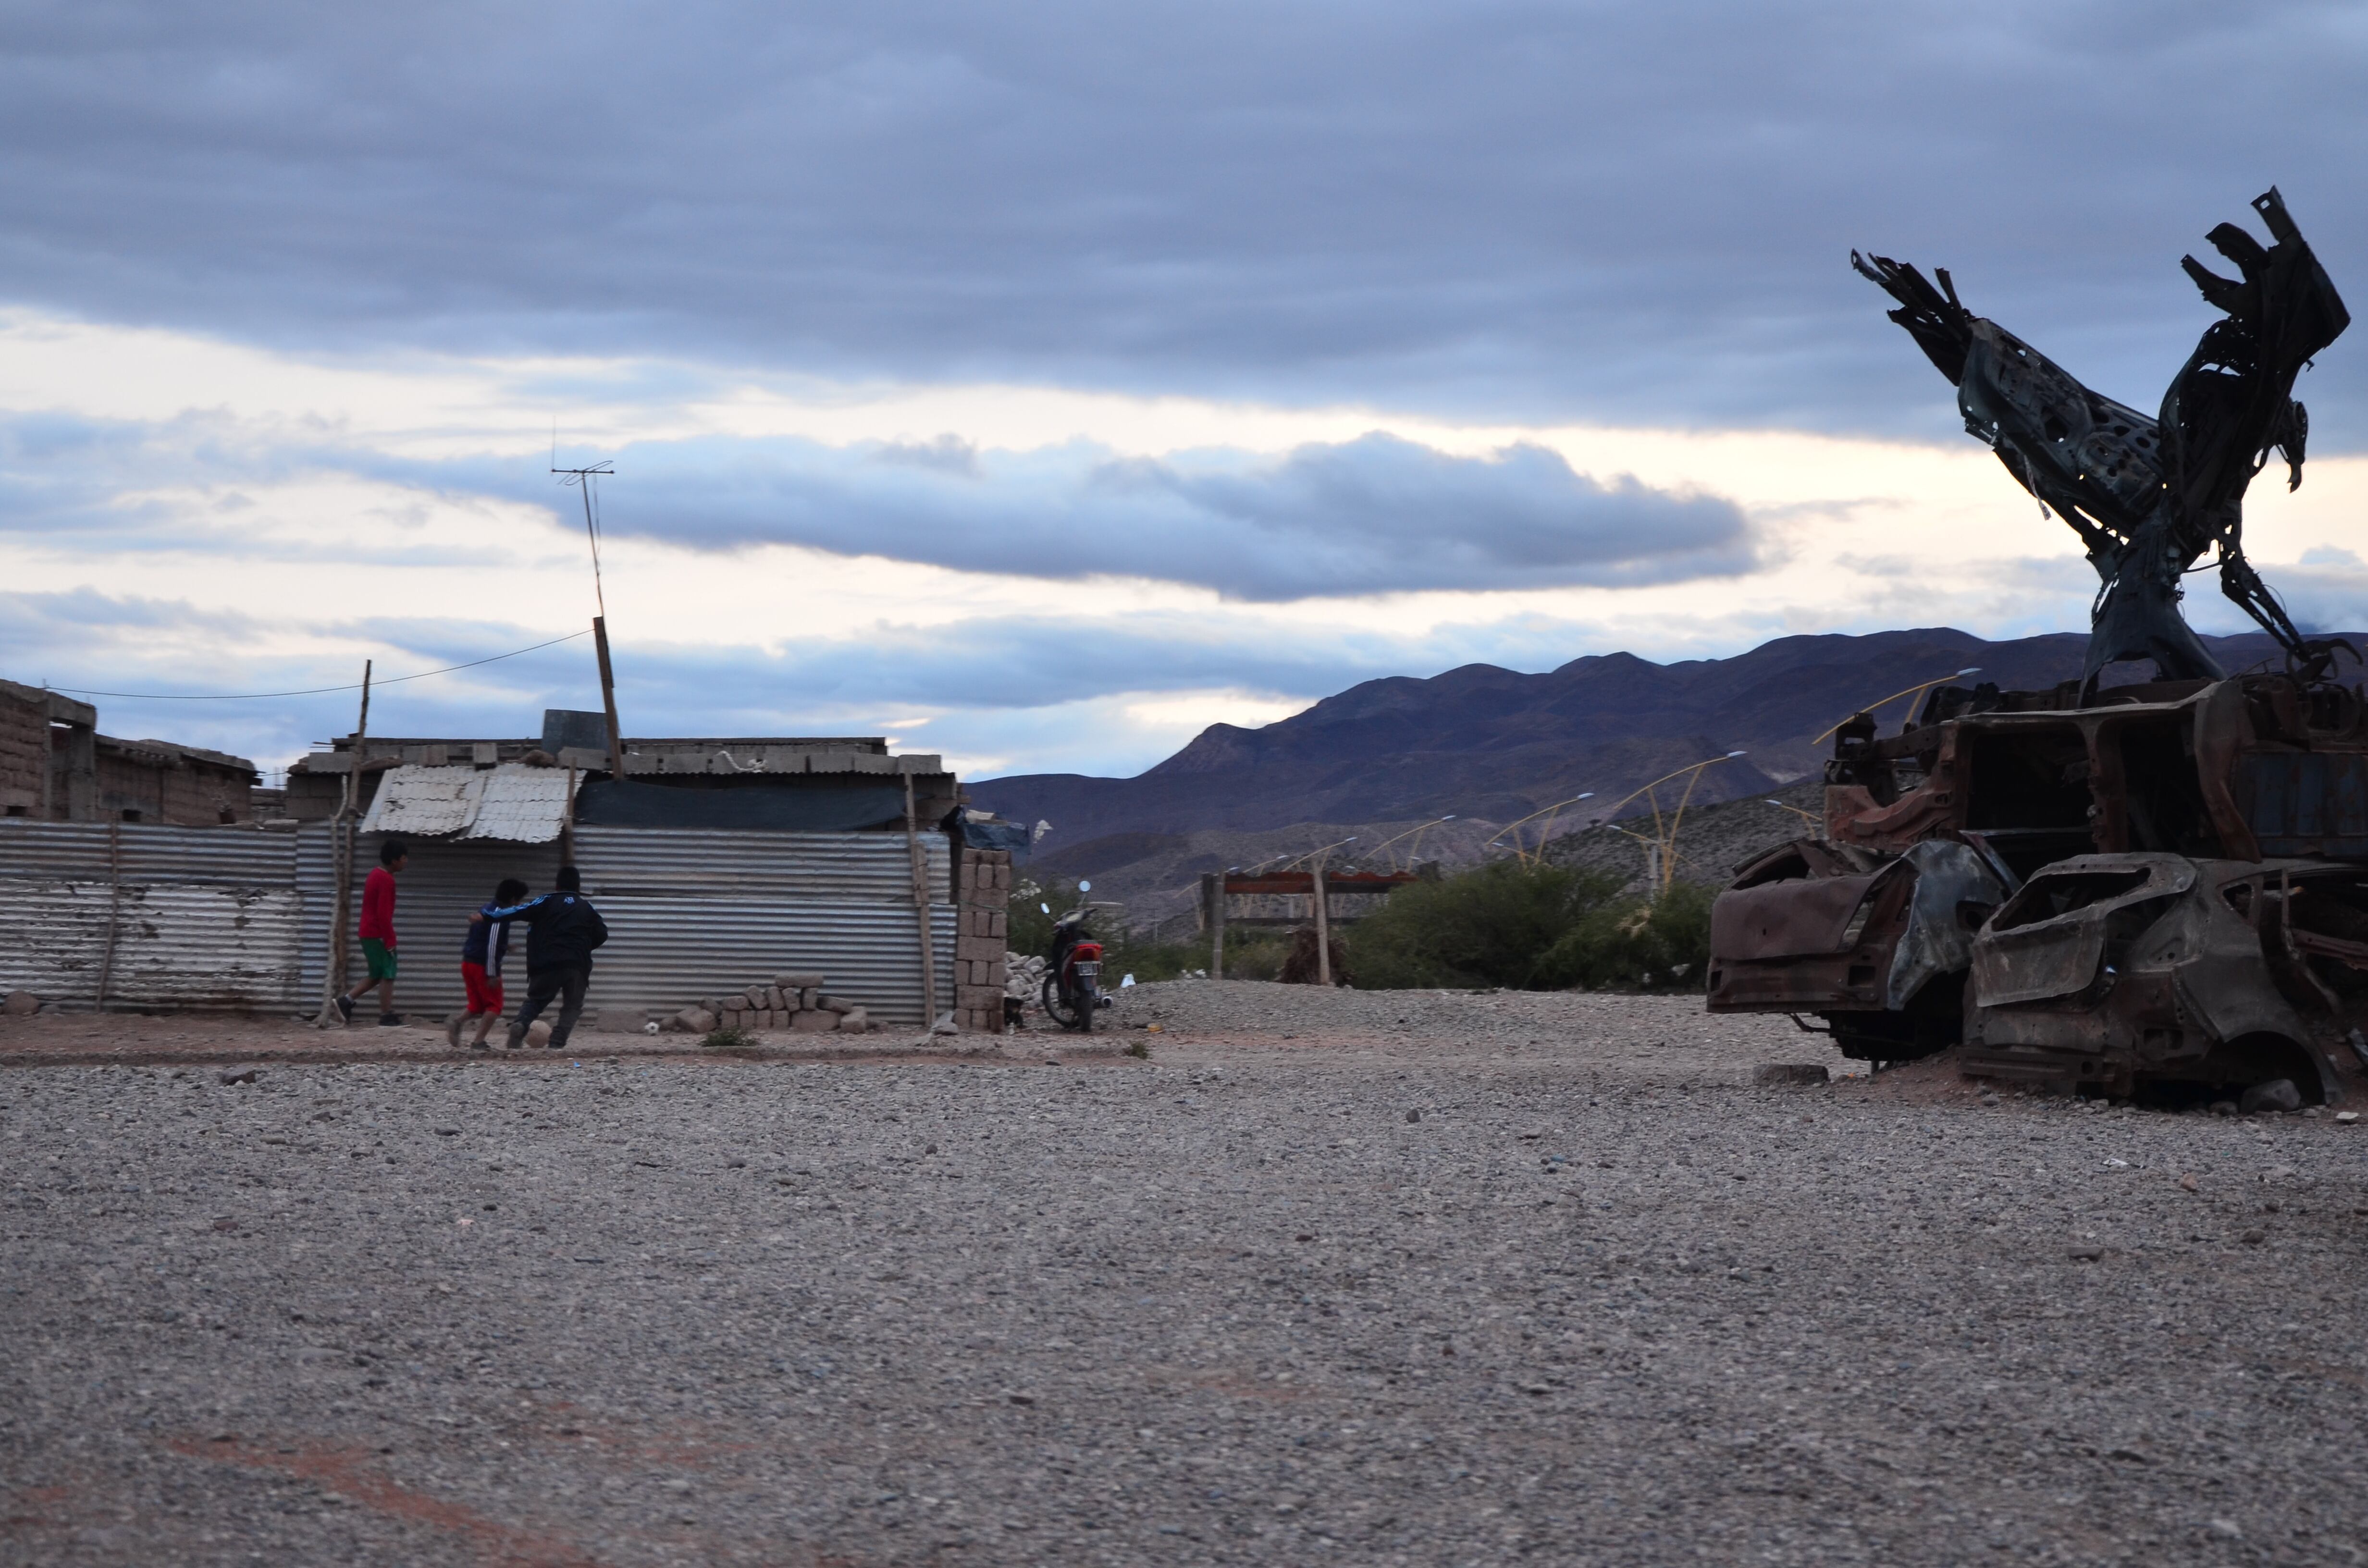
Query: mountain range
x=1496 y=744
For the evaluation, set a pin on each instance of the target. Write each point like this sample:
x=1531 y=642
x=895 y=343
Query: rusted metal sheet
x=2305 y=803
x=1302 y=883
x=1790 y=919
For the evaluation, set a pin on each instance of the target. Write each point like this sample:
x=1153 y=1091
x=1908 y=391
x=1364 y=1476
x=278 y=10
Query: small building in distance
x=56 y=766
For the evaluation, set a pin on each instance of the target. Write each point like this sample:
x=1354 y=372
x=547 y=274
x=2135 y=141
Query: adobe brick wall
x=184 y=791
x=23 y=752
x=984 y=901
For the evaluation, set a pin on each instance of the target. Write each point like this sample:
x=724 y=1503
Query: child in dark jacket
x=562 y=930
x=481 y=952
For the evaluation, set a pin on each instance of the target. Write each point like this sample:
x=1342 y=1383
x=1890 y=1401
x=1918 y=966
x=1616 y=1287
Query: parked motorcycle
x=1072 y=992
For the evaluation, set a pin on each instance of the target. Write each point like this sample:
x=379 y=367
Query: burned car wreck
x=2108 y=969
x=2164 y=882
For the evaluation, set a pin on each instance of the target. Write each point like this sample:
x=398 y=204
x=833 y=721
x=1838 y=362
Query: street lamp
x=1905 y=691
x=1514 y=828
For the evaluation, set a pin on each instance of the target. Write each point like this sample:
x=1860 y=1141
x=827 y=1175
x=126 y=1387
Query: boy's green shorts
x=379 y=957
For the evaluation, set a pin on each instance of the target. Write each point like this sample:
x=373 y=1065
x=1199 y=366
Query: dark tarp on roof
x=1011 y=835
x=610 y=803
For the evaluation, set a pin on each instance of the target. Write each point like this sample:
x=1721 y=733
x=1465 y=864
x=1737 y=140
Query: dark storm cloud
x=1604 y=211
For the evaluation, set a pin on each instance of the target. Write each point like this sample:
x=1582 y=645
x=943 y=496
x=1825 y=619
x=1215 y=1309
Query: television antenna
x=582 y=479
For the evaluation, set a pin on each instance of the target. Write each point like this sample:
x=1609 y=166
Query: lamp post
x=1665 y=838
x=1515 y=827
x=1415 y=832
x=1905 y=691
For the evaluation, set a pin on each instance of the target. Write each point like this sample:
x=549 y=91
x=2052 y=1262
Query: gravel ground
x=1602 y=1303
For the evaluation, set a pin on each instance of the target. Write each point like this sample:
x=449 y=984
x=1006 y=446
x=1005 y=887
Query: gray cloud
x=1376 y=514
x=1582 y=210
x=997 y=684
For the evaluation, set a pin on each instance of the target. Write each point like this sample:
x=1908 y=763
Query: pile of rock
x=1023 y=978
x=793 y=1002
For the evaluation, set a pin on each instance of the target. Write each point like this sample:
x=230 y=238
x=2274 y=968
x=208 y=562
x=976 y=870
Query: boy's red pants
x=484 y=990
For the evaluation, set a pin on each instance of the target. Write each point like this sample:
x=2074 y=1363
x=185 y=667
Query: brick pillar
x=980 y=939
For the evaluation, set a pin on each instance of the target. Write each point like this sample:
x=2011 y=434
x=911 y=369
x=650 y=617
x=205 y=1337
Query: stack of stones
x=793 y=1002
x=1025 y=976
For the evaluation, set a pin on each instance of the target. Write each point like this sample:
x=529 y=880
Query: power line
x=310 y=691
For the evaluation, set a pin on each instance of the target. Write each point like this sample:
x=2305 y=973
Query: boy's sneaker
x=452 y=1031
x=516 y=1038
x=345 y=1006
x=390 y=1020
x=478 y=1045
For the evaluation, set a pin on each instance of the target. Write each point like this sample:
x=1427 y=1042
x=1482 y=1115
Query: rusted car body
x=2110 y=970
x=1872 y=926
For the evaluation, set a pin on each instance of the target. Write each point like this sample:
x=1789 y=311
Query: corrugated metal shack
x=243 y=918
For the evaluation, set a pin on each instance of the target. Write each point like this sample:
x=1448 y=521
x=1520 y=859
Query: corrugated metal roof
x=425 y=802
x=521 y=805
x=512 y=803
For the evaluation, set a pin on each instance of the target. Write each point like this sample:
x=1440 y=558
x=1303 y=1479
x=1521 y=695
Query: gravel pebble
x=1235 y=1303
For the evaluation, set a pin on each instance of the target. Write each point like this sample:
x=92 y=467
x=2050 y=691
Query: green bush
x=1532 y=927
x=1658 y=945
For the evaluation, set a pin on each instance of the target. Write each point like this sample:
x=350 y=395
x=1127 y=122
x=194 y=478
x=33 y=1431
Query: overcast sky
x=1038 y=383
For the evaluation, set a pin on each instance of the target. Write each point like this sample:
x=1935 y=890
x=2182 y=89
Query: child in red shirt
x=376 y=933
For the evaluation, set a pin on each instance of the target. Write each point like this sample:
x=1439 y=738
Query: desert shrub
x=1255 y=952
x=1530 y=927
x=1628 y=942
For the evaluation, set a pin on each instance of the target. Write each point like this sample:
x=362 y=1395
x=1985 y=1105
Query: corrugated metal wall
x=208 y=918
x=442 y=884
x=239 y=919
x=692 y=913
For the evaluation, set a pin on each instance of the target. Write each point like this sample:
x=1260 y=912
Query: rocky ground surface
x=1369 y=1278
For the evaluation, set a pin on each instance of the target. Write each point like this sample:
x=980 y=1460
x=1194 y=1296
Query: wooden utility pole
x=1322 y=922
x=567 y=823
x=341 y=849
x=608 y=697
x=921 y=911
x=582 y=479
x=1212 y=896
x=114 y=910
